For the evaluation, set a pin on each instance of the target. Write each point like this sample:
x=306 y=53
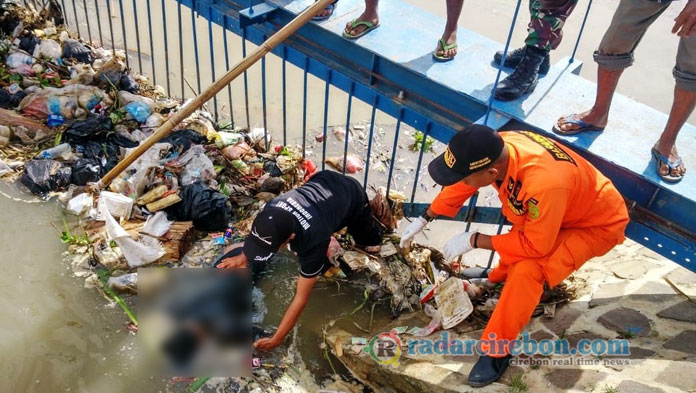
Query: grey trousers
x=630 y=22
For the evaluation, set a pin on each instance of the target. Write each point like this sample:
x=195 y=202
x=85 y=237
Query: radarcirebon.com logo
x=385 y=348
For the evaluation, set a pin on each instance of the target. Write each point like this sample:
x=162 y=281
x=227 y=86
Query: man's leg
x=547 y=18
x=369 y=15
x=682 y=107
x=449 y=37
x=630 y=22
x=524 y=284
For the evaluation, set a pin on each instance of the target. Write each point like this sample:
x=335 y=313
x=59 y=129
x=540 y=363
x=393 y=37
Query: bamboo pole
x=184 y=112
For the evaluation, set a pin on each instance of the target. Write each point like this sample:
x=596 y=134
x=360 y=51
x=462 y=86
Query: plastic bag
x=44 y=176
x=28 y=42
x=73 y=49
x=18 y=59
x=140 y=111
x=210 y=210
x=47 y=48
x=4 y=168
x=238 y=151
x=126 y=98
x=70 y=101
x=353 y=163
x=157 y=225
x=80 y=204
x=86 y=170
x=140 y=169
x=197 y=166
x=137 y=253
x=183 y=139
x=127 y=283
x=5 y=98
x=433 y=326
x=127 y=83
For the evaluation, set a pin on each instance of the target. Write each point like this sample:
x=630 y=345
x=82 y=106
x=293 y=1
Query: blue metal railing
x=435 y=110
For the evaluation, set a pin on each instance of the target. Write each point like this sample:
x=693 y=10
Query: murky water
x=57 y=336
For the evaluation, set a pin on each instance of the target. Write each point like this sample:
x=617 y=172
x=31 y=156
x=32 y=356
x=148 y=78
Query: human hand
x=458 y=245
x=266 y=343
x=414 y=228
x=685 y=22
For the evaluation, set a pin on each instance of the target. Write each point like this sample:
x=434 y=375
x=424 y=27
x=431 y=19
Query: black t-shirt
x=321 y=207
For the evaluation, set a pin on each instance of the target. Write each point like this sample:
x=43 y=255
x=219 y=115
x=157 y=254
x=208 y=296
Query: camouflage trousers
x=547 y=17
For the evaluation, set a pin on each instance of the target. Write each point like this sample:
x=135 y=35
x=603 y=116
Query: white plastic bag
x=80 y=204
x=197 y=166
x=137 y=253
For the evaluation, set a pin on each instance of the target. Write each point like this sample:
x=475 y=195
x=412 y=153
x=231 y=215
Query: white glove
x=414 y=228
x=458 y=245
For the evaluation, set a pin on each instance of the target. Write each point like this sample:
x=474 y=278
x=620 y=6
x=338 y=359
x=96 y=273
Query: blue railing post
x=394 y=148
x=582 y=28
x=426 y=134
x=350 y=105
x=326 y=119
x=375 y=101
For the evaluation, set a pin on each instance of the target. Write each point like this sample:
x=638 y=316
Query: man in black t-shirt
x=305 y=219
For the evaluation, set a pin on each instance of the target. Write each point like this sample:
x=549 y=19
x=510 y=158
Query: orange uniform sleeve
x=536 y=238
x=450 y=200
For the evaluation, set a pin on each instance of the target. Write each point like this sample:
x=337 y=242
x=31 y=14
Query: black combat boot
x=525 y=77
x=488 y=370
x=514 y=57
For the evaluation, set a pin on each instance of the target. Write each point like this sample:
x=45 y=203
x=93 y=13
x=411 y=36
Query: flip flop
x=444 y=47
x=661 y=159
x=573 y=119
x=331 y=7
x=353 y=24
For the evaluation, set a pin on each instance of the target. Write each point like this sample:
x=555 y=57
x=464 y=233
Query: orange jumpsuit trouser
x=524 y=278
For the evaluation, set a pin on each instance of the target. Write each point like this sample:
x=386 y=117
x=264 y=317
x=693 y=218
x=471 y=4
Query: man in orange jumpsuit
x=562 y=209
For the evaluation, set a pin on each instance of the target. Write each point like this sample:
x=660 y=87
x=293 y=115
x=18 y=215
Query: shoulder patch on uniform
x=533 y=208
x=556 y=152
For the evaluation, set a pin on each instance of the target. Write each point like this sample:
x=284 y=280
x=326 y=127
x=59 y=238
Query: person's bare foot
x=325 y=13
x=592 y=117
x=364 y=17
x=450 y=37
x=670 y=152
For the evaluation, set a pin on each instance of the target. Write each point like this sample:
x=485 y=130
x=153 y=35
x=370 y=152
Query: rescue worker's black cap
x=271 y=228
x=469 y=151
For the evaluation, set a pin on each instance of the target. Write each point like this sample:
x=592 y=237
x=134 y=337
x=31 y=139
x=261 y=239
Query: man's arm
x=304 y=288
x=450 y=200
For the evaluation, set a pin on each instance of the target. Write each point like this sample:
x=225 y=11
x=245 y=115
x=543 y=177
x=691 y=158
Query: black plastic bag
x=127 y=83
x=5 y=99
x=28 y=42
x=16 y=98
x=86 y=170
x=184 y=139
x=43 y=176
x=82 y=131
x=208 y=209
x=73 y=49
x=272 y=169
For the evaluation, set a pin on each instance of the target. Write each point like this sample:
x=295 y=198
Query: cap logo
x=263 y=259
x=478 y=164
x=449 y=158
x=263 y=239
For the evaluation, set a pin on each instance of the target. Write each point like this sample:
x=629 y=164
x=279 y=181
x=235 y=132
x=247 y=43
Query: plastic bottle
x=55 y=151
